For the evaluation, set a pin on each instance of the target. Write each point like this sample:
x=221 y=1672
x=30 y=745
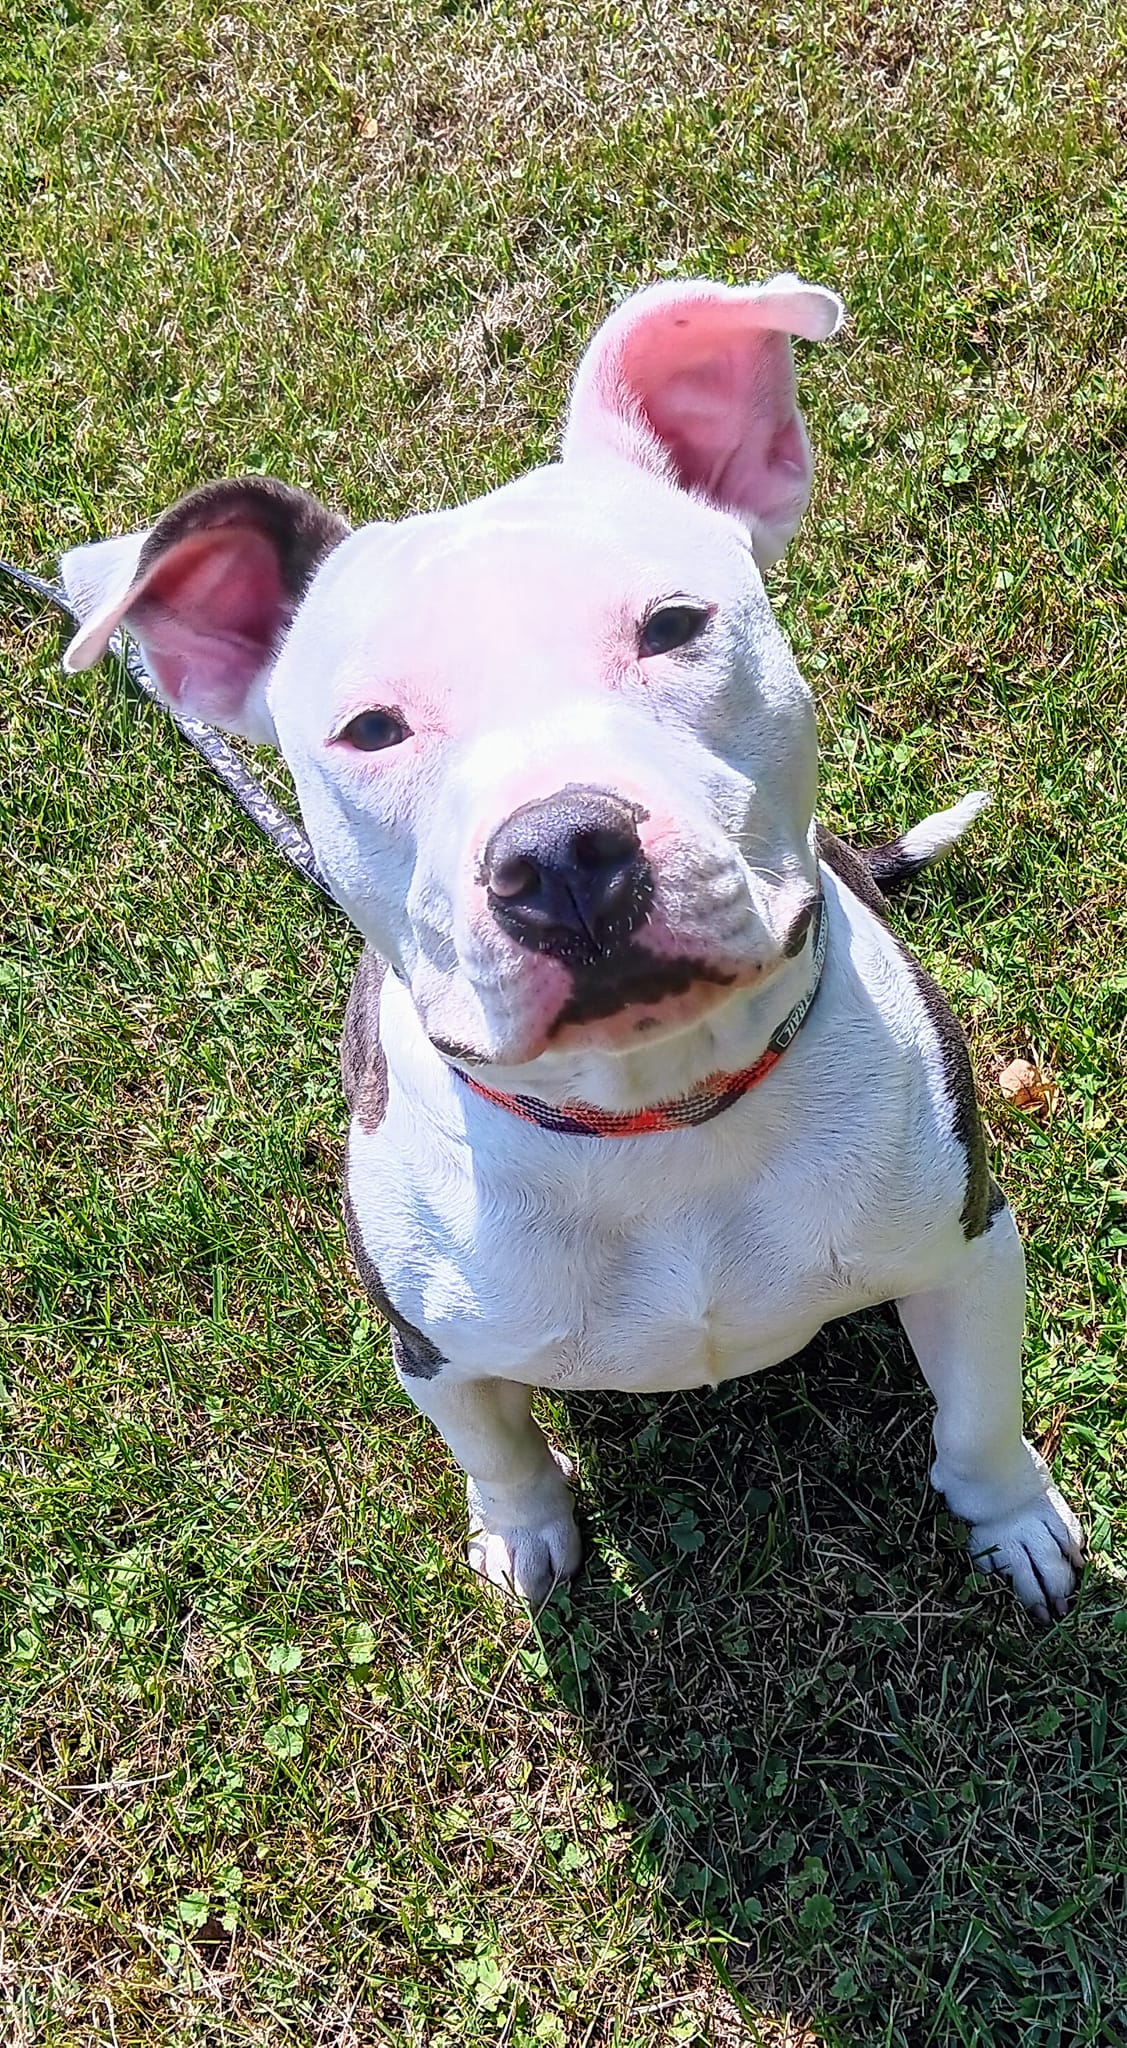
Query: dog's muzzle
x=567 y=875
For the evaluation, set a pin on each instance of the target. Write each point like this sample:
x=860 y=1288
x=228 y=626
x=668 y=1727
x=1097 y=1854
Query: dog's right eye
x=370 y=731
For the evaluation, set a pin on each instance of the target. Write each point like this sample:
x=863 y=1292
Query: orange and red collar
x=699 y=1106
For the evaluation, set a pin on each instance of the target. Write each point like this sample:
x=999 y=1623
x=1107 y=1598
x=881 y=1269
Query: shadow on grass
x=890 y=1801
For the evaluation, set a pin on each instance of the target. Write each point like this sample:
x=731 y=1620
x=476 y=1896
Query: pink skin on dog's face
x=514 y=664
x=498 y=661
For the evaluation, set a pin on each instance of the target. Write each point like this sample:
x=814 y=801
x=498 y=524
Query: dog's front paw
x=525 y=1544
x=1038 y=1547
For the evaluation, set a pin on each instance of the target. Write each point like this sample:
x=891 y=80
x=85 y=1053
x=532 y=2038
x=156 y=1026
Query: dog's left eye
x=370 y=731
x=673 y=626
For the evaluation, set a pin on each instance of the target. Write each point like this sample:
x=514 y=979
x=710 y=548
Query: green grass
x=778 y=1770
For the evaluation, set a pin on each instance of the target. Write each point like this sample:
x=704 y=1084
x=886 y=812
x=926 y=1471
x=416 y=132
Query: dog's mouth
x=647 y=987
x=639 y=995
x=611 y=1005
x=635 y=988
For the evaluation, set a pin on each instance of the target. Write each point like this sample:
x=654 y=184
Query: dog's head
x=551 y=748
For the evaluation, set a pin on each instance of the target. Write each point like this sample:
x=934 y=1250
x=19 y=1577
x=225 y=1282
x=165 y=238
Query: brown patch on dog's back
x=414 y=1354
x=851 y=869
x=363 y=1069
x=983 y=1197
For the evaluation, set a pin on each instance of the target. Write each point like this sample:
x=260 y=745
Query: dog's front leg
x=522 y=1529
x=967 y=1338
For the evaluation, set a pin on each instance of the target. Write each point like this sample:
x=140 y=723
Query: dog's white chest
x=686 y=1301
x=581 y=1284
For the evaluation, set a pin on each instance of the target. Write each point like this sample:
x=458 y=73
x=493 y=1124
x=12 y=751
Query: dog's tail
x=904 y=857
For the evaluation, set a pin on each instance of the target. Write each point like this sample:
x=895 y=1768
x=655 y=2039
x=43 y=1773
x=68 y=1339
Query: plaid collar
x=699 y=1106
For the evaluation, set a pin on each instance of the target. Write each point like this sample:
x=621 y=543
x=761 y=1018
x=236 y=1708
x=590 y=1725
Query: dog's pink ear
x=208 y=592
x=695 y=382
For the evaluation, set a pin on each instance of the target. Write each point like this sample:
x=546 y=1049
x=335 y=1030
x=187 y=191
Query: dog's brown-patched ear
x=695 y=382
x=209 y=593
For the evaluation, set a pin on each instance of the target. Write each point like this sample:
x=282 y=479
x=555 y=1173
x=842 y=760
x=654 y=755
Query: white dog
x=651 y=1092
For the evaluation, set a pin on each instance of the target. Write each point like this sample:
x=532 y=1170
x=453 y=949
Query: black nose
x=567 y=875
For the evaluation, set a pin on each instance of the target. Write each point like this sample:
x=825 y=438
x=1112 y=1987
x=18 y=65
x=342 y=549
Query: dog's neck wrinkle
x=727 y=1040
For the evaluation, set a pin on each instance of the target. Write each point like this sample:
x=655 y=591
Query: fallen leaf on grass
x=1027 y=1087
